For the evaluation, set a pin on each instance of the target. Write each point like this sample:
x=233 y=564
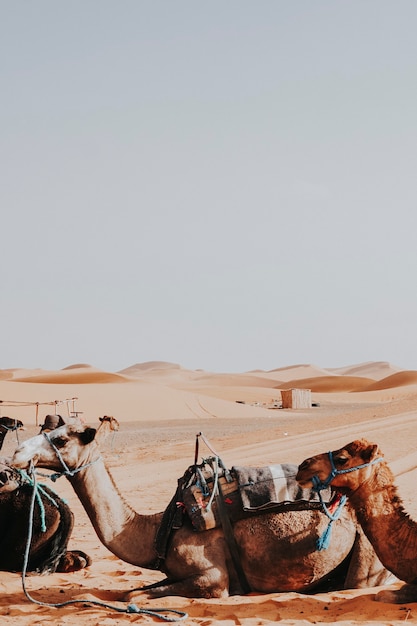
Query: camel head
x=10 y=423
x=346 y=468
x=112 y=422
x=72 y=445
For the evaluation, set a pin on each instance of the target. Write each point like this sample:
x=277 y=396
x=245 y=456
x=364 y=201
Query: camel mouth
x=24 y=463
x=305 y=482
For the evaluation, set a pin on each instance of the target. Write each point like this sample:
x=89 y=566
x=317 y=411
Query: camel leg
x=365 y=569
x=210 y=584
x=406 y=593
x=73 y=560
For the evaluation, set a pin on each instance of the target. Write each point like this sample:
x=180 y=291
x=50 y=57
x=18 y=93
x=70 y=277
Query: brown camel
x=360 y=471
x=52 y=526
x=278 y=550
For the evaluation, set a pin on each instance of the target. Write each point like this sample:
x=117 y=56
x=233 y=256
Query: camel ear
x=87 y=435
x=370 y=452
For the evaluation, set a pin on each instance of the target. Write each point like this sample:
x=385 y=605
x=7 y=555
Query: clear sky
x=228 y=185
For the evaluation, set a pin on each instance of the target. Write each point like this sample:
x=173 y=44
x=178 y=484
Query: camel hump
x=51 y=422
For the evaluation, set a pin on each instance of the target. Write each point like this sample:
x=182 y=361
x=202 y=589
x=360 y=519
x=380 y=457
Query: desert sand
x=161 y=407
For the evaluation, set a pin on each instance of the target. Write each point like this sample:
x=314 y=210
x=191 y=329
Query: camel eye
x=60 y=442
x=341 y=460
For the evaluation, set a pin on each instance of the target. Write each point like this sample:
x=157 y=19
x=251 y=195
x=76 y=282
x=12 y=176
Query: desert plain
x=160 y=408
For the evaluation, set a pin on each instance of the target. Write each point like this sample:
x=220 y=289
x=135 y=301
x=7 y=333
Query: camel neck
x=391 y=531
x=127 y=534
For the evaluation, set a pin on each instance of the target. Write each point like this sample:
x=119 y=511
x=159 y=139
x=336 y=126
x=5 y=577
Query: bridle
x=318 y=484
x=67 y=471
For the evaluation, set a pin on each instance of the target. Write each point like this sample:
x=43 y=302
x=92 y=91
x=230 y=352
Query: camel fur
x=278 y=550
x=374 y=496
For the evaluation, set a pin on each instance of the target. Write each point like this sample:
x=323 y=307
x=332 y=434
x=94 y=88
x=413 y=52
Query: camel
x=360 y=471
x=277 y=550
x=48 y=551
x=108 y=424
x=51 y=422
x=52 y=528
x=9 y=424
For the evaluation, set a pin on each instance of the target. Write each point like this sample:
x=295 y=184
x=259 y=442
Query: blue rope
x=131 y=608
x=323 y=542
x=40 y=491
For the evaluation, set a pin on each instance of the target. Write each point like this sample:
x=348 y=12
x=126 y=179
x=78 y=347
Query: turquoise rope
x=323 y=542
x=318 y=485
x=39 y=492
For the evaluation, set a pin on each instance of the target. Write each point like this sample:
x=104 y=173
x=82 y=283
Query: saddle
x=210 y=495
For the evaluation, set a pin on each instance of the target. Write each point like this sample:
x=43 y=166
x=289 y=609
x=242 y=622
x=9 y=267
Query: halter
x=11 y=428
x=67 y=471
x=318 y=485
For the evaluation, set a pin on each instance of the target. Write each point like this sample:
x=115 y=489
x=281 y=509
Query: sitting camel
x=52 y=527
x=277 y=550
x=51 y=422
x=360 y=471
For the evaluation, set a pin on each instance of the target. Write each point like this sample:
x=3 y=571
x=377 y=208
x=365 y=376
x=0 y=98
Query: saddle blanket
x=267 y=487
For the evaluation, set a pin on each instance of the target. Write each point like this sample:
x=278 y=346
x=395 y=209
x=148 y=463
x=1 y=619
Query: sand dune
x=400 y=379
x=295 y=372
x=371 y=369
x=72 y=377
x=330 y=384
x=161 y=406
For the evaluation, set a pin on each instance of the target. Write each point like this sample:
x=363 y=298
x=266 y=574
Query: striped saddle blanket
x=271 y=486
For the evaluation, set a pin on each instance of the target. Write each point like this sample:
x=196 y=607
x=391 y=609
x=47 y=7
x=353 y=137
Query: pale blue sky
x=227 y=185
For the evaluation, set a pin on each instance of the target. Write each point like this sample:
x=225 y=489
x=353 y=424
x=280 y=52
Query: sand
x=160 y=407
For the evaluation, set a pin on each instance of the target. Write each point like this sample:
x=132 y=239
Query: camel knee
x=210 y=584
